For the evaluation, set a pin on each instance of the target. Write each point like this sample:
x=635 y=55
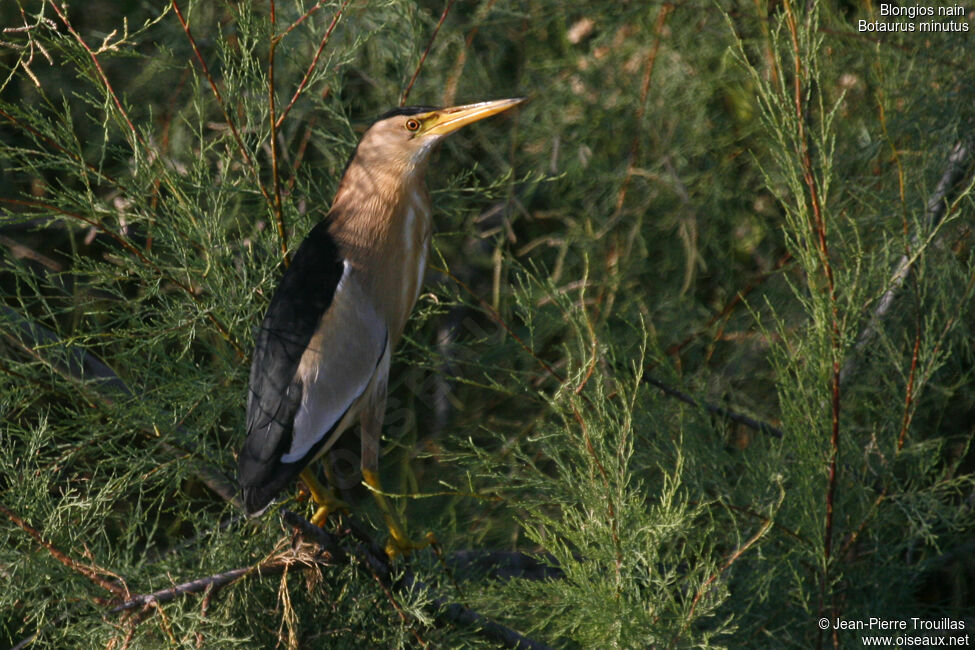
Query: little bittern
x=321 y=358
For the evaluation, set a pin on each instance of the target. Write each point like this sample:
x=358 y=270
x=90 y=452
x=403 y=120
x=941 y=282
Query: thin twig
x=74 y=156
x=312 y=65
x=909 y=389
x=318 y=5
x=855 y=535
x=594 y=347
x=275 y=179
x=741 y=550
x=251 y=164
x=423 y=57
x=101 y=73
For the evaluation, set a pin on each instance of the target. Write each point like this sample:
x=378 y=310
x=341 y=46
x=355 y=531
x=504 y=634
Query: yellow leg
x=323 y=496
x=399 y=542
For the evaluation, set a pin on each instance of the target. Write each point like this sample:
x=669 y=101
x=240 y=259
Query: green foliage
x=750 y=202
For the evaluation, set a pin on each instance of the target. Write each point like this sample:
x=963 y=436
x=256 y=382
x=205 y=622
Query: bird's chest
x=406 y=262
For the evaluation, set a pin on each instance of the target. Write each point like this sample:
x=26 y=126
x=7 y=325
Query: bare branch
x=199 y=585
x=958 y=163
x=751 y=423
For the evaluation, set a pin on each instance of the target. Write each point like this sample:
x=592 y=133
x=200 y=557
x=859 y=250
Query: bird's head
x=403 y=138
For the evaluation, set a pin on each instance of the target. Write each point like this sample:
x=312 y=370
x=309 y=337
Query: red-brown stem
x=90 y=572
x=404 y=618
x=101 y=72
x=909 y=392
x=303 y=18
x=416 y=73
x=658 y=27
x=610 y=507
x=819 y=230
x=311 y=66
x=855 y=535
x=905 y=226
x=275 y=179
x=724 y=567
x=223 y=107
x=204 y=607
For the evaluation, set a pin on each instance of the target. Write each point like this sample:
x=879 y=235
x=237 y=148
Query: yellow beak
x=447 y=120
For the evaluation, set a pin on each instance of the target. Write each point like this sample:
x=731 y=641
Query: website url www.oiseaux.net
x=901 y=641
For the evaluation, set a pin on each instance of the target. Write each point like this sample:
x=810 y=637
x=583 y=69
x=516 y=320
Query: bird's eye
x=412 y=125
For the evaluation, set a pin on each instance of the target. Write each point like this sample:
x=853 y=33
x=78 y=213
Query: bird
x=322 y=354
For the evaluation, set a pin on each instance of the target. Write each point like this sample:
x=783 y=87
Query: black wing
x=304 y=294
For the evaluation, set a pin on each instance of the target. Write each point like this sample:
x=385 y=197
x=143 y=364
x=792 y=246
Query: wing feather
x=303 y=297
x=336 y=369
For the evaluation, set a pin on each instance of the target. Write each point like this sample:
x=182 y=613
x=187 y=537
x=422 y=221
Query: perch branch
x=371 y=555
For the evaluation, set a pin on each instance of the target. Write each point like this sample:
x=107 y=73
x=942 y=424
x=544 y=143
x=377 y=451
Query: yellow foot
x=399 y=544
x=324 y=497
x=325 y=509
